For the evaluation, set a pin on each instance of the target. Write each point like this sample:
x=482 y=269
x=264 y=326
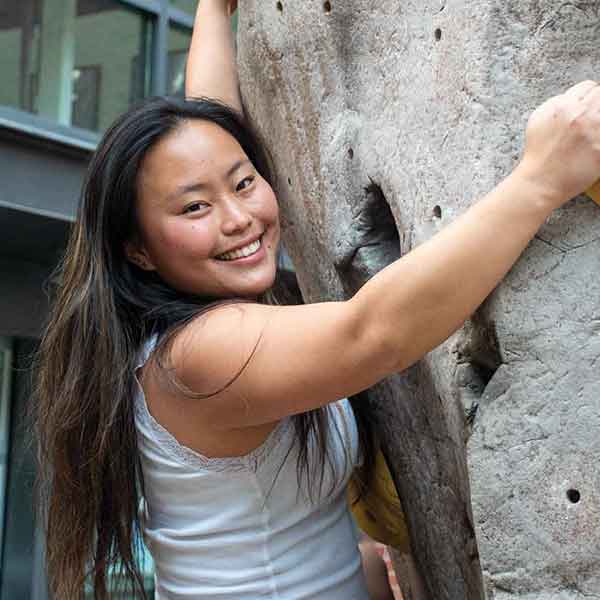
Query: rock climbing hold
x=594 y=192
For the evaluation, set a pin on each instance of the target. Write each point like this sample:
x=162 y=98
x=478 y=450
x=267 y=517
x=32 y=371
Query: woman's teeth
x=241 y=252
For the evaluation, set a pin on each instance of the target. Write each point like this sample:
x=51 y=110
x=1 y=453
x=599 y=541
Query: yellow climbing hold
x=594 y=192
x=379 y=511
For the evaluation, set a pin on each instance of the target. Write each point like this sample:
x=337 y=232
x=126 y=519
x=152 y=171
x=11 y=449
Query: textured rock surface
x=425 y=103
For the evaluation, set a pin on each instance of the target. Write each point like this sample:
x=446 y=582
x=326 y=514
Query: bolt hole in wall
x=437 y=34
x=280 y=7
x=437 y=212
x=574 y=496
x=327 y=7
x=350 y=153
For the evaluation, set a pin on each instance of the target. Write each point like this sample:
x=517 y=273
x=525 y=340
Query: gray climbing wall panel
x=385 y=121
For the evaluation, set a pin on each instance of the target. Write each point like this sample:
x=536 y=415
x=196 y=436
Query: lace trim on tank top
x=171 y=446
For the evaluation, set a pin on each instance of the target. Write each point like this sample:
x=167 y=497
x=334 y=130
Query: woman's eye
x=195 y=207
x=244 y=183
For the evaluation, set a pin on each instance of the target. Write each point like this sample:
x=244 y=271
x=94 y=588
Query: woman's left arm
x=211 y=68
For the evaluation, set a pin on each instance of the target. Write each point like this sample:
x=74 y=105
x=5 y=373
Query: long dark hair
x=105 y=307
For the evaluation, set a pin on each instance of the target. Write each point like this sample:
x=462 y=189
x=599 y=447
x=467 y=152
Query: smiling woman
x=208 y=221
x=171 y=203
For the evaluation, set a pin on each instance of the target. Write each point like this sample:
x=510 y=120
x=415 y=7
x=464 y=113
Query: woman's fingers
x=562 y=148
x=581 y=90
x=592 y=99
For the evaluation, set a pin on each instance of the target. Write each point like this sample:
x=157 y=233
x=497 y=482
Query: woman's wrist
x=539 y=190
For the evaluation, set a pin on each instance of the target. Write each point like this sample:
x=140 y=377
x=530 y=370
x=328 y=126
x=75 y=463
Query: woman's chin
x=249 y=289
x=258 y=290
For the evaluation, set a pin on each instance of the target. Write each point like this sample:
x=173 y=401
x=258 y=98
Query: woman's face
x=209 y=222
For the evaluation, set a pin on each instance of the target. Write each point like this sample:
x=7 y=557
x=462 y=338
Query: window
x=5 y=383
x=86 y=91
x=114 y=584
x=68 y=60
x=179 y=44
x=188 y=6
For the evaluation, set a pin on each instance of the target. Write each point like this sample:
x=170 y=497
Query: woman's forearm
x=418 y=301
x=211 y=68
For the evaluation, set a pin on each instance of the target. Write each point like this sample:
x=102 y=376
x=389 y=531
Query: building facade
x=68 y=68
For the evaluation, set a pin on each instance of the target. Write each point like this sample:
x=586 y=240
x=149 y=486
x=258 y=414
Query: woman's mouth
x=244 y=252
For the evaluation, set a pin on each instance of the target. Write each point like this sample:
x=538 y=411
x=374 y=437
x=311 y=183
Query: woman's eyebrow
x=198 y=186
x=236 y=165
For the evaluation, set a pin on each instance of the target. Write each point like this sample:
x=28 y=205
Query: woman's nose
x=235 y=217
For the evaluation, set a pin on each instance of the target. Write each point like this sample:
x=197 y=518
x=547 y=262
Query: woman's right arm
x=211 y=69
x=303 y=357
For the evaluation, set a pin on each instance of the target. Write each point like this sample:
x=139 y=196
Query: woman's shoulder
x=210 y=350
x=180 y=416
x=251 y=364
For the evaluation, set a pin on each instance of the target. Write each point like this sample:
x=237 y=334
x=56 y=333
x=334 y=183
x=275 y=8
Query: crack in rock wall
x=385 y=121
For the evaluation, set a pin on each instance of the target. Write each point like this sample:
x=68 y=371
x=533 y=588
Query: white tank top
x=226 y=528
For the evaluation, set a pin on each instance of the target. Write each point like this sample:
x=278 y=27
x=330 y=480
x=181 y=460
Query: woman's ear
x=138 y=256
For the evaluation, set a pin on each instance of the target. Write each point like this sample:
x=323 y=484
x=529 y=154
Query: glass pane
x=86 y=90
x=5 y=381
x=189 y=6
x=77 y=62
x=179 y=43
x=115 y=585
x=18 y=558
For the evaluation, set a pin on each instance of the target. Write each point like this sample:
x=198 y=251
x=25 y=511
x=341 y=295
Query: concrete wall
x=40 y=178
x=493 y=436
x=23 y=303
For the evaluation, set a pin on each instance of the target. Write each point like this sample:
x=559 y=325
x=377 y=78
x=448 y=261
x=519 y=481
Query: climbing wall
x=385 y=121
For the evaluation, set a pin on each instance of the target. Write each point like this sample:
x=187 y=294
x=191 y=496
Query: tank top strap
x=277 y=443
x=146 y=349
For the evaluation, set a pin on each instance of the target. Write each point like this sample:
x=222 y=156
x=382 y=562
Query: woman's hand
x=562 y=144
